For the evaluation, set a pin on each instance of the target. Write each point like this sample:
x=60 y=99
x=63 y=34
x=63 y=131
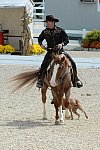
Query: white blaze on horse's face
x=53 y=78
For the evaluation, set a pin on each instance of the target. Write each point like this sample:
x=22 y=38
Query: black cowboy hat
x=51 y=18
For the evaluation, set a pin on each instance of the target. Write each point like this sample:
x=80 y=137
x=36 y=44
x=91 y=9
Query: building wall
x=10 y=18
x=74 y=14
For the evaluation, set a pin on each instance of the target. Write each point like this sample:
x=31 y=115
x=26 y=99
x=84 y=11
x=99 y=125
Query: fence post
x=84 y=33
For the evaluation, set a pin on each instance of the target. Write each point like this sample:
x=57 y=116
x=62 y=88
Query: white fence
x=74 y=41
x=82 y=33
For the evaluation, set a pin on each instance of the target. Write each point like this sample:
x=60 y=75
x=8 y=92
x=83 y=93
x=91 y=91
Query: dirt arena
x=21 y=124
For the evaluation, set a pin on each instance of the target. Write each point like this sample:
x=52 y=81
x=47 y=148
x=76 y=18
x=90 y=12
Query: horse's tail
x=27 y=78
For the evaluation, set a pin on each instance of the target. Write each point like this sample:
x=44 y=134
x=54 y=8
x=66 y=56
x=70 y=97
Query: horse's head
x=60 y=66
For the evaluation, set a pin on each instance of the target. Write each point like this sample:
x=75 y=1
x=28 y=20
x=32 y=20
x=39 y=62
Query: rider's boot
x=75 y=81
x=40 y=79
x=39 y=83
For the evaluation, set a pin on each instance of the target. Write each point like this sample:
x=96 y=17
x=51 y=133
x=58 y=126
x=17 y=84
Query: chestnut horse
x=58 y=77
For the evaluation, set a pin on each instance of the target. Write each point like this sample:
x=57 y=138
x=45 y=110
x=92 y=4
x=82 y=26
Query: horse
x=57 y=77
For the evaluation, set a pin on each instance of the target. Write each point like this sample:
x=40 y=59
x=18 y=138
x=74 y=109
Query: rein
x=63 y=77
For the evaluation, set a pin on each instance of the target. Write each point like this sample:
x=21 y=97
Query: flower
x=9 y=49
x=2 y=48
x=93 y=44
x=36 y=49
x=86 y=44
x=98 y=45
x=91 y=39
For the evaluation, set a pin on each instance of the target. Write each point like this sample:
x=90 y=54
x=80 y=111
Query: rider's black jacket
x=53 y=37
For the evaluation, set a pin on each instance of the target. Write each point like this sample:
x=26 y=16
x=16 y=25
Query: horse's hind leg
x=43 y=92
x=57 y=122
x=56 y=105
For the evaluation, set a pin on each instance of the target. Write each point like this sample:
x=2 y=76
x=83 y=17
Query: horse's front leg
x=57 y=122
x=61 y=114
x=43 y=92
x=60 y=107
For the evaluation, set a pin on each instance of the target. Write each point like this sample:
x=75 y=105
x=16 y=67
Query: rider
x=54 y=36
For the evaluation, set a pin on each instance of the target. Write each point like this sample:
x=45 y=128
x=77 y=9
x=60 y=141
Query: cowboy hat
x=51 y=18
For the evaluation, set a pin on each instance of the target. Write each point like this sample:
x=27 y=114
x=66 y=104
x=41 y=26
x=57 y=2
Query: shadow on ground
x=19 y=124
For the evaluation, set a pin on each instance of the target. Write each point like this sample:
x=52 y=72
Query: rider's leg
x=43 y=69
x=75 y=80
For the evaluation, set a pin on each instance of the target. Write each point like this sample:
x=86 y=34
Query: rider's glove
x=60 y=46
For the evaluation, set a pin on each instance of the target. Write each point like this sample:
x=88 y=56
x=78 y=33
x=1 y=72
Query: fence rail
x=39 y=9
x=75 y=34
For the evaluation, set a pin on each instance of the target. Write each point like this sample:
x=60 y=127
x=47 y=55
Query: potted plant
x=92 y=40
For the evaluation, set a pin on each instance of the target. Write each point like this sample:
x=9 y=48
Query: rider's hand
x=60 y=46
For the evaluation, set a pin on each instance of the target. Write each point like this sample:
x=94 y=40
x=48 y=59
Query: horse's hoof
x=68 y=118
x=57 y=122
x=44 y=118
x=61 y=121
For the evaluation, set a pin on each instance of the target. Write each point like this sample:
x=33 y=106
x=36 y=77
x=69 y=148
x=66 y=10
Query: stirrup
x=39 y=84
x=77 y=84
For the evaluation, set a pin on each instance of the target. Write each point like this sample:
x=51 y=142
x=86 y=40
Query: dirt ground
x=21 y=124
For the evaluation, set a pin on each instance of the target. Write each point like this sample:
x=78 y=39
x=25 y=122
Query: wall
x=10 y=18
x=74 y=14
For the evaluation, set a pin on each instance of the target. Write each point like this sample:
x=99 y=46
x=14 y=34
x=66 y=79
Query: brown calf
x=72 y=105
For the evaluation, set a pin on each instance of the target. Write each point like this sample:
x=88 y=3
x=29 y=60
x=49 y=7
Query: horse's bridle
x=60 y=80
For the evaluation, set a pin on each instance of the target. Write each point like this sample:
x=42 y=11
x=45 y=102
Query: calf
x=73 y=105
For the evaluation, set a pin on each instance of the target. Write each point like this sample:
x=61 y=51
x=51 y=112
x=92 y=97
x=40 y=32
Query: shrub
x=97 y=45
x=86 y=44
x=91 y=39
x=2 y=48
x=7 y=49
x=93 y=44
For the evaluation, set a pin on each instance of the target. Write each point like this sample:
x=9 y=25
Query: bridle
x=63 y=69
x=65 y=74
